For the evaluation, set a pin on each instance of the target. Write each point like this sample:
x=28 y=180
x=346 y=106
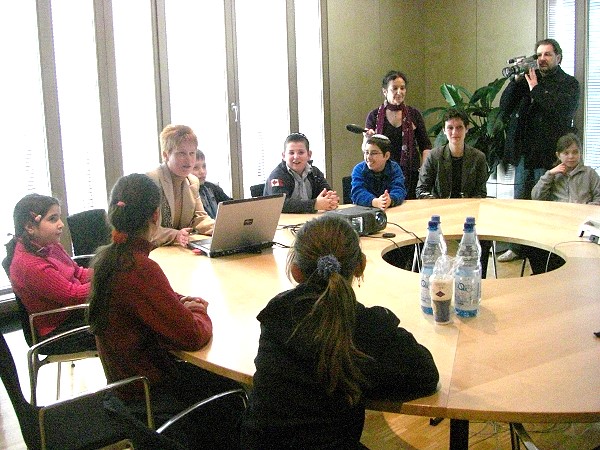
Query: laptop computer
x=241 y=226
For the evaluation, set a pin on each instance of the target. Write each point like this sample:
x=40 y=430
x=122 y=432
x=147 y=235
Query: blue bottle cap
x=468 y=226
x=436 y=218
x=432 y=225
x=470 y=220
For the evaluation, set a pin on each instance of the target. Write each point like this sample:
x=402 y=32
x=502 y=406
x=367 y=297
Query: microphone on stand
x=355 y=129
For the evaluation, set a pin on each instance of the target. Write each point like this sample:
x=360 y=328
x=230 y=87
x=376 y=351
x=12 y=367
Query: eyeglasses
x=367 y=153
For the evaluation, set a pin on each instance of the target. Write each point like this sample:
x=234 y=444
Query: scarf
x=408 y=151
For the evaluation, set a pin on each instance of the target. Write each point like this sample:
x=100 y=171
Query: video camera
x=520 y=65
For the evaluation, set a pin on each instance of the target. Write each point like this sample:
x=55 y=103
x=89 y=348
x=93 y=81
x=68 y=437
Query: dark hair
x=391 y=76
x=296 y=137
x=454 y=113
x=25 y=212
x=133 y=200
x=331 y=242
x=564 y=142
x=381 y=141
x=200 y=155
x=551 y=42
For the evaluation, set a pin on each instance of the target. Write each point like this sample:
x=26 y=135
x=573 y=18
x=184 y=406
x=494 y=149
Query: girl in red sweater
x=43 y=275
x=138 y=318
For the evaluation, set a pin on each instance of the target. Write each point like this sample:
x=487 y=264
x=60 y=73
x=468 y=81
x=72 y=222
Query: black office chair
x=89 y=230
x=92 y=420
x=346 y=190
x=257 y=190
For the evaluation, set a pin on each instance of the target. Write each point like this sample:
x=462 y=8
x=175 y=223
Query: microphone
x=355 y=129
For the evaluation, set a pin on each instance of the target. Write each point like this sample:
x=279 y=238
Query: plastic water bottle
x=436 y=218
x=467 y=278
x=432 y=250
x=472 y=220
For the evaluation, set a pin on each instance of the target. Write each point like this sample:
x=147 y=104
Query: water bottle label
x=425 y=296
x=466 y=293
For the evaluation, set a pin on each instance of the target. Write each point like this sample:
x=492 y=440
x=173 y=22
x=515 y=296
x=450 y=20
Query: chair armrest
x=83 y=260
x=68 y=408
x=518 y=432
x=185 y=412
x=34 y=316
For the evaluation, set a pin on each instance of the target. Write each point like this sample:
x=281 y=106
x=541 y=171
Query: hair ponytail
x=133 y=200
x=328 y=254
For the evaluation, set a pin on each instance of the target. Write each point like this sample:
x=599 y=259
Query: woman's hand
x=183 y=236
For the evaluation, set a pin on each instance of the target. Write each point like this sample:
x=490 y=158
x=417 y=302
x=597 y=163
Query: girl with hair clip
x=321 y=352
x=137 y=318
x=43 y=275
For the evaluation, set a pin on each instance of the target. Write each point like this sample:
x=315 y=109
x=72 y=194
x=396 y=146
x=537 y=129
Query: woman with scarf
x=404 y=126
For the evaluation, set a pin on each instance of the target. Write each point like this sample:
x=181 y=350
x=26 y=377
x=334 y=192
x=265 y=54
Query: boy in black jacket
x=305 y=187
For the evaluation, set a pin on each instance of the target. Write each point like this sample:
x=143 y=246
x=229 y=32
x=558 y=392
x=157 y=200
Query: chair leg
x=523 y=266
x=494 y=259
x=58 y=381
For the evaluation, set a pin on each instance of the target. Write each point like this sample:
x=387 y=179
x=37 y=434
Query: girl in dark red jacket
x=138 y=318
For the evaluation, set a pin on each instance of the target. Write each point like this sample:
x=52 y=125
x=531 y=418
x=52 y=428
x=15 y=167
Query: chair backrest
x=346 y=189
x=89 y=230
x=257 y=190
x=26 y=413
x=21 y=311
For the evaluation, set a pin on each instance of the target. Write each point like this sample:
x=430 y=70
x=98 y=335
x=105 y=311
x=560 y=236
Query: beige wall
x=465 y=42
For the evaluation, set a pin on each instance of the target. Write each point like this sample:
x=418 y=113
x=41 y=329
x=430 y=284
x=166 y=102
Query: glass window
x=25 y=168
x=73 y=29
x=561 y=26
x=592 y=83
x=198 y=79
x=310 y=77
x=136 y=90
x=262 y=64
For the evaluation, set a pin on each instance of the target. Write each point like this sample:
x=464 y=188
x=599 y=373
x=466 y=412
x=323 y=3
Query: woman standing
x=403 y=125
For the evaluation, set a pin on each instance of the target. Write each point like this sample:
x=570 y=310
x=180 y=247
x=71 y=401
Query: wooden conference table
x=529 y=356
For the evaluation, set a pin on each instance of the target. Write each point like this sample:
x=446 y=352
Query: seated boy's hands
x=383 y=201
x=327 y=200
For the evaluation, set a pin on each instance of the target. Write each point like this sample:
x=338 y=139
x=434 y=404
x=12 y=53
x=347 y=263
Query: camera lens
x=510 y=70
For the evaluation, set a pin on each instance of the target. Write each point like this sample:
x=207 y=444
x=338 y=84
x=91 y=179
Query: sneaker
x=508 y=256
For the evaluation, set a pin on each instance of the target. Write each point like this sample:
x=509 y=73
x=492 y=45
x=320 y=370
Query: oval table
x=529 y=356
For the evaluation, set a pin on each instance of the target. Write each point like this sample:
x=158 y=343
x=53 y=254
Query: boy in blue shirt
x=377 y=181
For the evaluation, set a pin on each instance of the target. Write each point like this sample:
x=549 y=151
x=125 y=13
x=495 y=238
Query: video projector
x=363 y=219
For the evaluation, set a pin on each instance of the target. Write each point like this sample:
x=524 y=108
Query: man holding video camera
x=540 y=104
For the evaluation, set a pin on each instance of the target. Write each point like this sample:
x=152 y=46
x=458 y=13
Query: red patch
x=276 y=182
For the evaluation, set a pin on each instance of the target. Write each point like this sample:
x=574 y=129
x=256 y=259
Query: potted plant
x=486 y=123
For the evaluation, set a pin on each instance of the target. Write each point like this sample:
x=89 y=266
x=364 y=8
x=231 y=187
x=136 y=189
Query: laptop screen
x=244 y=224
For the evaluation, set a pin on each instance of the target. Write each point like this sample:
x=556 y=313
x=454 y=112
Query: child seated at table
x=138 y=318
x=304 y=185
x=570 y=182
x=321 y=353
x=44 y=276
x=377 y=181
x=211 y=194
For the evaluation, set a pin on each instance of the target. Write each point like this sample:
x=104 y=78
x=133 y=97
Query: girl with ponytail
x=321 y=352
x=138 y=318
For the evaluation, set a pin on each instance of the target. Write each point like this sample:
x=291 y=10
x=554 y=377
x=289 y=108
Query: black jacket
x=537 y=118
x=289 y=407
x=281 y=181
